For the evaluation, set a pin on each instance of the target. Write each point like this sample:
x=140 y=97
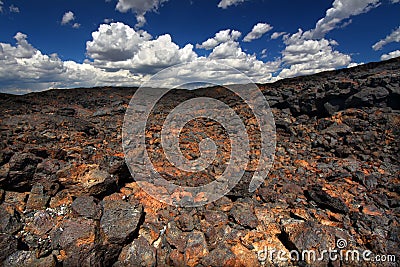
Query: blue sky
x=65 y=44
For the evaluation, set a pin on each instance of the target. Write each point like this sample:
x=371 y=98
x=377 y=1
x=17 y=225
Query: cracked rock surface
x=67 y=197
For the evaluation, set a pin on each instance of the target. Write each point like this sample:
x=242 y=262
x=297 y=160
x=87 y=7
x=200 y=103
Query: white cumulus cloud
x=115 y=42
x=67 y=17
x=140 y=8
x=305 y=56
x=219 y=38
x=226 y=50
x=160 y=53
x=118 y=46
x=226 y=3
x=390 y=55
x=258 y=30
x=393 y=37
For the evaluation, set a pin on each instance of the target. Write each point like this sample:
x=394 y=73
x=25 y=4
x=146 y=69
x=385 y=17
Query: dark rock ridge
x=68 y=199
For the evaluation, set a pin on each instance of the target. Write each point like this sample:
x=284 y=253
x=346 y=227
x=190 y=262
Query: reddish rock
x=22 y=167
x=216 y=218
x=220 y=256
x=62 y=198
x=16 y=199
x=87 y=179
x=245 y=256
x=244 y=215
x=78 y=239
x=151 y=231
x=176 y=258
x=196 y=248
x=175 y=237
x=37 y=200
x=185 y=222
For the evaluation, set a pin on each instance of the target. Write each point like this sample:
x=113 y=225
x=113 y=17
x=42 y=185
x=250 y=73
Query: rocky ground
x=68 y=199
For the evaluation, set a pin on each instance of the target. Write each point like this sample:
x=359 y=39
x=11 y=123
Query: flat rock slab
x=120 y=220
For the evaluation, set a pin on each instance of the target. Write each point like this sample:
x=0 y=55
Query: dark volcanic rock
x=41 y=224
x=46 y=175
x=337 y=129
x=27 y=258
x=86 y=179
x=175 y=237
x=37 y=199
x=367 y=97
x=87 y=207
x=302 y=236
x=324 y=200
x=119 y=221
x=138 y=253
x=77 y=238
x=185 y=222
x=196 y=248
x=8 y=245
x=22 y=167
x=221 y=256
x=244 y=215
x=9 y=219
x=67 y=197
x=66 y=112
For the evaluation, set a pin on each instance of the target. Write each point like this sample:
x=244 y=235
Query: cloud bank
x=121 y=55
